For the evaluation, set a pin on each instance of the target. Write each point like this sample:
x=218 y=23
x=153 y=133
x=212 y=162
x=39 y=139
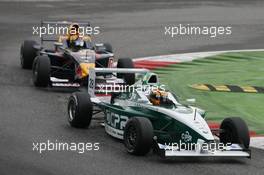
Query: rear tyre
x=80 y=110
x=41 y=71
x=234 y=130
x=27 y=54
x=126 y=63
x=138 y=136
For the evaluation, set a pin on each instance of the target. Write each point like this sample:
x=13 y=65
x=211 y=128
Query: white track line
x=257 y=142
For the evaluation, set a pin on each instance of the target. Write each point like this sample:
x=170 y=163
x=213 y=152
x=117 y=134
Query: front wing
x=233 y=150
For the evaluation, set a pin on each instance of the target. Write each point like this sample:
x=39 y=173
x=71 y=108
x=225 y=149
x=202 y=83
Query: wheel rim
x=131 y=136
x=72 y=110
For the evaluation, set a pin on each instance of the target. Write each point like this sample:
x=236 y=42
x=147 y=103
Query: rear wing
x=57 y=28
x=93 y=71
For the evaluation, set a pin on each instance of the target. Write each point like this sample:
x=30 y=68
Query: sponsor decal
x=115 y=120
x=186 y=136
x=66 y=84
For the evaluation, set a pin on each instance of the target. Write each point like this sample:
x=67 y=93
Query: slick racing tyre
x=138 y=136
x=41 y=71
x=126 y=63
x=234 y=130
x=27 y=54
x=80 y=110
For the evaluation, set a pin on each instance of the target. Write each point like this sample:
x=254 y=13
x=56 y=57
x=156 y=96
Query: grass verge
x=244 y=68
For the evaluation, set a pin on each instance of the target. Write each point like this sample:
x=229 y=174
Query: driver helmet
x=73 y=32
x=158 y=97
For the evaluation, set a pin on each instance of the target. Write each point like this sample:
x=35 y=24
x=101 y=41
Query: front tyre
x=41 y=71
x=80 y=110
x=234 y=130
x=138 y=136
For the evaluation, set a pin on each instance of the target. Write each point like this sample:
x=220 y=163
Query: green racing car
x=146 y=116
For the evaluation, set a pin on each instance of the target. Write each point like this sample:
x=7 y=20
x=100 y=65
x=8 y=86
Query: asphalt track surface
x=135 y=29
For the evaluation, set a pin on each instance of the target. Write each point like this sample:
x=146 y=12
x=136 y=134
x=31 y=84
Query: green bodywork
x=166 y=129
